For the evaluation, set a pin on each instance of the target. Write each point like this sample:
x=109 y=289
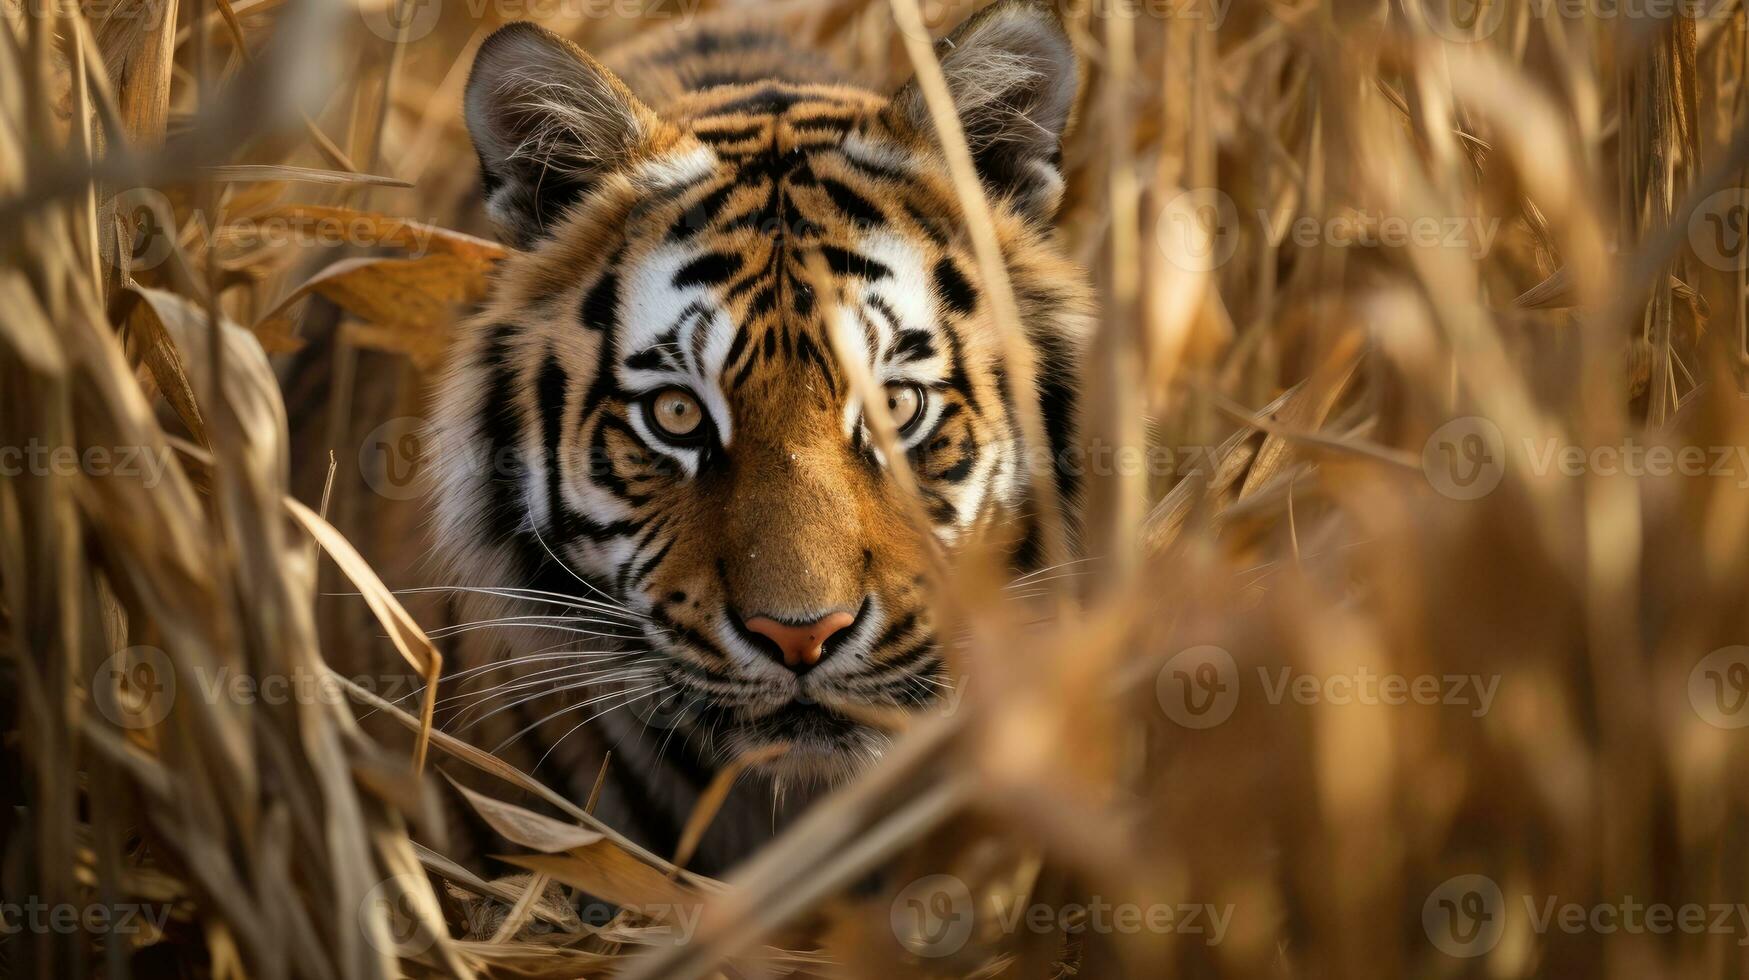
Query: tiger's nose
x=802 y=644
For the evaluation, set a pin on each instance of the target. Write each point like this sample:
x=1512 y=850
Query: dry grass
x=1320 y=409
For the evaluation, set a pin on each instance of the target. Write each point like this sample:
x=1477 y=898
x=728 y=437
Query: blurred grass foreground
x=1414 y=639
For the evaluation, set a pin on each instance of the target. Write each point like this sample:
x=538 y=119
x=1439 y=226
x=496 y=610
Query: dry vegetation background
x=1365 y=266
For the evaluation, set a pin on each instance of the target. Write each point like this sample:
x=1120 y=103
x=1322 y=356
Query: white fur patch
x=651 y=308
x=875 y=155
x=675 y=170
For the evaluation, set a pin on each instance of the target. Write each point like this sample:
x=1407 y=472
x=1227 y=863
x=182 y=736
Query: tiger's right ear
x=546 y=120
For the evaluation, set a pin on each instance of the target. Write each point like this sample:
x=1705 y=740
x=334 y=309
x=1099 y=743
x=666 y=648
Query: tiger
x=652 y=446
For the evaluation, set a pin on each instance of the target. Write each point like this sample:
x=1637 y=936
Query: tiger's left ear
x=547 y=121
x=1013 y=75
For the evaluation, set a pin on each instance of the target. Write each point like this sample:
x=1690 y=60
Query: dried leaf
x=532 y=830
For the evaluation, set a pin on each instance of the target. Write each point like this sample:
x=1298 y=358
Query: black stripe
x=709 y=269
x=737 y=346
x=602 y=461
x=896 y=629
x=698 y=216
x=806 y=350
x=926 y=224
x=601 y=302
x=1057 y=403
x=960 y=470
x=801 y=295
x=639 y=544
x=647 y=360
x=914 y=345
x=846 y=263
x=859 y=209
x=763 y=301
x=649 y=566
x=732 y=135
x=550 y=389
x=500 y=426
x=766 y=100
x=955 y=291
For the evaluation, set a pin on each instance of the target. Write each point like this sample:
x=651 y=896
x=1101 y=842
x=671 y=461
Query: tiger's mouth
x=819 y=741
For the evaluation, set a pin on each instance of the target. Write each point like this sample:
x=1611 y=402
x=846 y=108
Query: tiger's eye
x=676 y=413
x=905 y=405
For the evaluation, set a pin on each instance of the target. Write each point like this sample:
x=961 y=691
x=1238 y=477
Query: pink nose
x=801 y=645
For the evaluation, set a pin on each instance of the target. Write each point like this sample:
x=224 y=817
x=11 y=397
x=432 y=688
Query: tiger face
x=659 y=385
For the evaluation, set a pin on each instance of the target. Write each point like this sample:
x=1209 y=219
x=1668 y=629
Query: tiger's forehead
x=717 y=288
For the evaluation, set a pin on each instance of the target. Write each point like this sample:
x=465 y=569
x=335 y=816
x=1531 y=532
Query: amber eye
x=905 y=405
x=676 y=415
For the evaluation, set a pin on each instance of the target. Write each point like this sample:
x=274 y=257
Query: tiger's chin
x=804 y=742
